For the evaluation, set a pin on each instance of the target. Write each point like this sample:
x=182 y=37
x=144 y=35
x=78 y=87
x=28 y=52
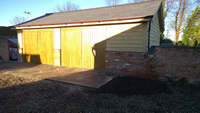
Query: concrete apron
x=89 y=78
x=79 y=76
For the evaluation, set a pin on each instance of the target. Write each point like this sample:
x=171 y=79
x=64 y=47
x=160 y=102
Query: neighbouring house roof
x=12 y=41
x=120 y=12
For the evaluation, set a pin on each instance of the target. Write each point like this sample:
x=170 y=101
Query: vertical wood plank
x=38 y=46
x=88 y=51
x=93 y=47
x=46 y=46
x=71 y=47
x=30 y=46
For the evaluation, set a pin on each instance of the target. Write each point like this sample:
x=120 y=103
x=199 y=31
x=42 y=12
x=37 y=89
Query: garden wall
x=162 y=62
x=4 y=50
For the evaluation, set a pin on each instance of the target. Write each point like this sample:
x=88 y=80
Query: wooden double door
x=38 y=46
x=81 y=47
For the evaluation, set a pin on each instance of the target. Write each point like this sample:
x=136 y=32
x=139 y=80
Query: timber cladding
x=82 y=47
x=155 y=31
x=71 y=47
x=86 y=46
x=38 y=46
x=127 y=37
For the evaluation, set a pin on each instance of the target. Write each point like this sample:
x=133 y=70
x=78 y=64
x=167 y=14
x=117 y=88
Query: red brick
x=166 y=60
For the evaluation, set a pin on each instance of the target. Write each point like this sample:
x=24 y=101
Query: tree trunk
x=176 y=37
x=179 y=19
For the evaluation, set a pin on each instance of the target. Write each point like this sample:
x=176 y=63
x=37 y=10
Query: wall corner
x=20 y=45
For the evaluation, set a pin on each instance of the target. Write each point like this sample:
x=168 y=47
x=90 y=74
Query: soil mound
x=127 y=85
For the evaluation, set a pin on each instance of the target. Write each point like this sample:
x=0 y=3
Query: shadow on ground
x=6 y=65
x=127 y=85
x=42 y=96
x=51 y=96
x=120 y=95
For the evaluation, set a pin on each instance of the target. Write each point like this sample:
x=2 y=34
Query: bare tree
x=179 y=15
x=138 y=1
x=166 y=5
x=176 y=12
x=68 y=6
x=131 y=1
x=17 y=20
x=113 y=2
x=181 y=10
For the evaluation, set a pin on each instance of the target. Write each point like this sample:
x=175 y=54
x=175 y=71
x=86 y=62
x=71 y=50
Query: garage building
x=82 y=38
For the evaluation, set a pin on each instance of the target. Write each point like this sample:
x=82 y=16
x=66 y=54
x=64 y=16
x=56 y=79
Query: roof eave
x=107 y=21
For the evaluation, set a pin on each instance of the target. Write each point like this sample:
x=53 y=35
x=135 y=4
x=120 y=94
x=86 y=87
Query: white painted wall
x=19 y=36
x=57 y=37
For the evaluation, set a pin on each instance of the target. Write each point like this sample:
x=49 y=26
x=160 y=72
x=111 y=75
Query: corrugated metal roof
x=134 y=10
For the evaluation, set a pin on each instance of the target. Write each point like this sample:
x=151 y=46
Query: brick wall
x=163 y=61
x=176 y=62
x=4 y=50
x=128 y=63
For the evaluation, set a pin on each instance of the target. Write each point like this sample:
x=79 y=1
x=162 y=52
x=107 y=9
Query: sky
x=12 y=8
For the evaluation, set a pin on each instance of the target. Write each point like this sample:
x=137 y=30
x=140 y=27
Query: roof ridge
x=105 y=7
x=119 y=12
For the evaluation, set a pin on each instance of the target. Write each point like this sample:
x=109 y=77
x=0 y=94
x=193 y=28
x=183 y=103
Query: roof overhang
x=85 y=23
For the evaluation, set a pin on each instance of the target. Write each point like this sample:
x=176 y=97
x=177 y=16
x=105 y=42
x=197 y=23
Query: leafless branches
x=166 y=4
x=112 y=2
x=17 y=20
x=68 y=6
x=137 y=1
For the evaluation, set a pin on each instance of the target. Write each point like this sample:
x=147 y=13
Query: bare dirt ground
x=80 y=76
x=22 y=92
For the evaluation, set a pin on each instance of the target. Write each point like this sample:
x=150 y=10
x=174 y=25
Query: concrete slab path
x=79 y=76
